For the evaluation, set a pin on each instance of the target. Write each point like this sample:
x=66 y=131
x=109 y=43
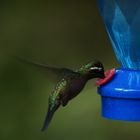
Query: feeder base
x=121 y=109
x=121 y=96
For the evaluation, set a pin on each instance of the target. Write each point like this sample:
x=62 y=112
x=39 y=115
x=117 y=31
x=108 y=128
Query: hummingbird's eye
x=96 y=68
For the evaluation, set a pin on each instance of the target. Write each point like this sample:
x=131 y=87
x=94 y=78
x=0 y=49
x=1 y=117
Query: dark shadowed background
x=62 y=33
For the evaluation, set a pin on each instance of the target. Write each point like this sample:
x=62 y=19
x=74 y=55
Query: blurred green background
x=62 y=33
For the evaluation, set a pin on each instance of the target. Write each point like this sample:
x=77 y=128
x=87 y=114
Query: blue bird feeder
x=121 y=95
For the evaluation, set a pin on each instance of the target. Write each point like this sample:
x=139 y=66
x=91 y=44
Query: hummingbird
x=69 y=86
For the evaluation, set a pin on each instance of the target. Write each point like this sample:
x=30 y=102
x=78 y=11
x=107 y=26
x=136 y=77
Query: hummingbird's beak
x=109 y=74
x=103 y=76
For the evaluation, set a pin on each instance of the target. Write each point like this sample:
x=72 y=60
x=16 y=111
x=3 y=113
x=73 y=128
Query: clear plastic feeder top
x=122 y=20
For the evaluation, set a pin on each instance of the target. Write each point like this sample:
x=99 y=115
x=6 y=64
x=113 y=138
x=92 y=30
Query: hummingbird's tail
x=48 y=118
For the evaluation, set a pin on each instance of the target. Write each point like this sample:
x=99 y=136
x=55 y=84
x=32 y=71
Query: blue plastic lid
x=121 y=96
x=125 y=84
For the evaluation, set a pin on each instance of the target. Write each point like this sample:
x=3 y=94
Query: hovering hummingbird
x=70 y=85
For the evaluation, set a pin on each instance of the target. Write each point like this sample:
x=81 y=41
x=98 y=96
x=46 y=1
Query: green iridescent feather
x=85 y=68
x=55 y=95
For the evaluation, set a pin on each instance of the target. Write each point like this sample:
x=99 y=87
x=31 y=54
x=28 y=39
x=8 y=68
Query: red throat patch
x=109 y=74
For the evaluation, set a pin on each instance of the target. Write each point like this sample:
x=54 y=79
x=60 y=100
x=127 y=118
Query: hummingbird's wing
x=59 y=72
